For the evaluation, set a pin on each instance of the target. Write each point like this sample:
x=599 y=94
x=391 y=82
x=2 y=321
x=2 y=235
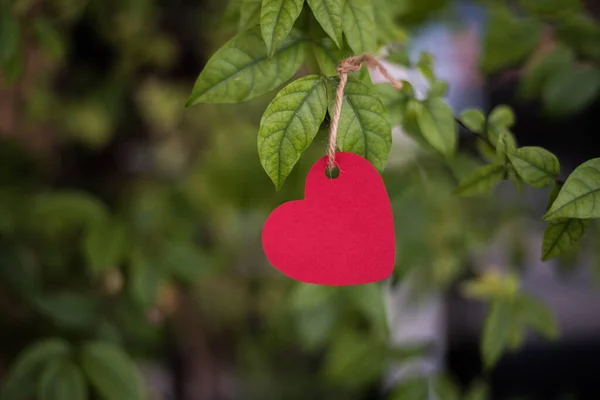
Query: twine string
x=346 y=67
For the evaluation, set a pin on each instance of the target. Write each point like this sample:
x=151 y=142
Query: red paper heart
x=342 y=233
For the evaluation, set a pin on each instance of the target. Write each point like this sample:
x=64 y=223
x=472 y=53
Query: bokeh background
x=128 y=219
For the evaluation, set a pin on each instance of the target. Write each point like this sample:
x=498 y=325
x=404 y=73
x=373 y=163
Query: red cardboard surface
x=342 y=233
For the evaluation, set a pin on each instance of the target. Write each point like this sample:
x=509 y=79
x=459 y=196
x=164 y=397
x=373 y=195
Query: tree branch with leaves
x=276 y=38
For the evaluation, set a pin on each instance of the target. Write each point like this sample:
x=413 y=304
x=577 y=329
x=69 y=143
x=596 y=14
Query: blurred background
x=127 y=219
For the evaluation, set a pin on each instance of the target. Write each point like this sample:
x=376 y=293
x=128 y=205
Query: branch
x=483 y=137
x=478 y=135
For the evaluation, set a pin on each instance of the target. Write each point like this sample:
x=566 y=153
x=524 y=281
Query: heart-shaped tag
x=342 y=233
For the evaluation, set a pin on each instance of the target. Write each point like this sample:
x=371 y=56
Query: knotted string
x=345 y=67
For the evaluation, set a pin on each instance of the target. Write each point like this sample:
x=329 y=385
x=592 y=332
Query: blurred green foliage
x=119 y=208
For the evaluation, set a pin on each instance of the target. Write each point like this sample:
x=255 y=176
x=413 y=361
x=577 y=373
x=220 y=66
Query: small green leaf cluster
x=555 y=45
x=126 y=262
x=14 y=33
x=432 y=124
x=571 y=204
x=110 y=241
x=276 y=38
x=355 y=357
x=11 y=57
x=64 y=371
x=510 y=313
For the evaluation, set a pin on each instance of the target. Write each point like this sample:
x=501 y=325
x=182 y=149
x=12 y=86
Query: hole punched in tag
x=332 y=173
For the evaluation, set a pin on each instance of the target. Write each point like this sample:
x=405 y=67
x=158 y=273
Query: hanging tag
x=342 y=233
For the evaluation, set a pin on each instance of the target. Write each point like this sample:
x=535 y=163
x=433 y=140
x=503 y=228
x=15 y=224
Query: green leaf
x=395 y=102
x=473 y=119
x=399 y=56
x=491 y=285
x=50 y=38
x=508 y=40
x=289 y=125
x=515 y=178
x=536 y=315
x=249 y=14
x=68 y=309
x=111 y=372
x=329 y=14
x=437 y=125
x=387 y=30
x=316 y=325
x=487 y=151
x=481 y=181
x=496 y=332
x=358 y=23
x=369 y=299
x=445 y=388
x=413 y=388
x=185 y=261
x=438 y=88
x=145 y=277
x=28 y=365
x=517 y=335
x=315 y=312
x=105 y=244
x=353 y=360
x=581 y=32
x=571 y=91
x=241 y=70
x=364 y=76
x=579 y=194
x=536 y=166
x=463 y=164
x=57 y=211
x=501 y=117
x=364 y=127
x=306 y=296
x=10 y=37
x=553 y=194
x=596 y=265
x=15 y=67
x=89 y=122
x=327 y=56
x=62 y=380
x=412 y=109
x=277 y=18
x=506 y=144
x=230 y=12
x=552 y=64
x=425 y=66
x=477 y=391
x=561 y=234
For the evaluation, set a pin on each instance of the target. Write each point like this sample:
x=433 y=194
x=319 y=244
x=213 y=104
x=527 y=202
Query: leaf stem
x=478 y=135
